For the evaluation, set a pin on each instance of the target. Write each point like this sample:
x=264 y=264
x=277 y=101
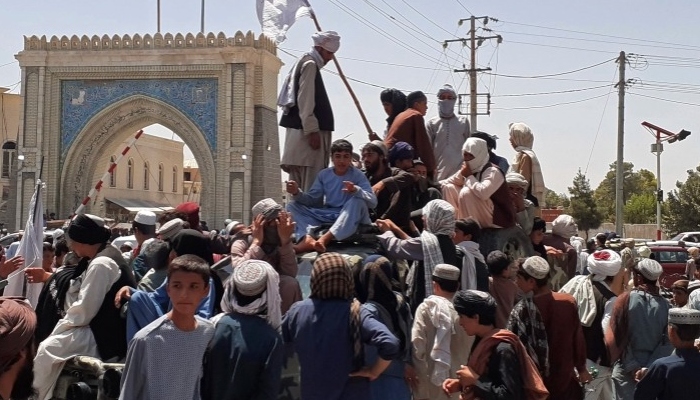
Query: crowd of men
x=430 y=314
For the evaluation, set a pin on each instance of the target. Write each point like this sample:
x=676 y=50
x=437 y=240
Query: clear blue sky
x=414 y=60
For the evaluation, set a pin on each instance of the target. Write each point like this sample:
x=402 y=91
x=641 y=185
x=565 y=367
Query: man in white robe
x=307 y=113
x=447 y=133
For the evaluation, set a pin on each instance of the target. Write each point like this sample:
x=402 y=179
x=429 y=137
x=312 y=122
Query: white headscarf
x=269 y=303
x=604 y=263
x=564 y=226
x=523 y=140
x=477 y=148
x=514 y=178
x=439 y=218
x=329 y=40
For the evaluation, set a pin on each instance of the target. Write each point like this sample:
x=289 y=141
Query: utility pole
x=474 y=42
x=158 y=5
x=202 y=30
x=620 y=170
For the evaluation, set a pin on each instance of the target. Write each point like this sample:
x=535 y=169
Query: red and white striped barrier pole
x=111 y=168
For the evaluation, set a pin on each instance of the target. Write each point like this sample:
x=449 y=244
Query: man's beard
x=371 y=168
x=22 y=389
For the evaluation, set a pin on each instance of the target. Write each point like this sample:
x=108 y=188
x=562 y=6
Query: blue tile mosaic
x=83 y=99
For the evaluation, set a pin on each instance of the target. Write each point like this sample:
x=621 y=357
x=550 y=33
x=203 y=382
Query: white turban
x=446 y=88
x=564 y=226
x=514 y=178
x=480 y=151
x=604 y=263
x=328 y=40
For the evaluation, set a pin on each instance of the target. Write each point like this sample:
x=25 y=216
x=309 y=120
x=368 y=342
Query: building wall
x=10 y=107
x=147 y=149
x=191 y=181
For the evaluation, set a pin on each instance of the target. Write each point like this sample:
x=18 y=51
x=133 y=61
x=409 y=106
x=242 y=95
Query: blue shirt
x=329 y=186
x=320 y=333
x=674 y=377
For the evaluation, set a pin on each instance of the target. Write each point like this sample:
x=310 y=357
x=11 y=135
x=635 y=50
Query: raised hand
x=285 y=227
x=349 y=187
x=292 y=187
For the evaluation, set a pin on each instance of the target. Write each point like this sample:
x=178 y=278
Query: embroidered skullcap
x=17 y=325
x=693 y=300
x=683 y=316
x=537 y=267
x=190 y=241
x=231 y=225
x=644 y=251
x=331 y=278
x=171 y=228
x=145 y=218
x=268 y=208
x=415 y=97
x=514 y=178
x=564 y=226
x=88 y=229
x=681 y=284
x=400 y=151
x=447 y=272
x=58 y=234
x=439 y=217
x=191 y=209
x=446 y=88
x=604 y=263
x=329 y=40
x=650 y=269
x=693 y=285
x=250 y=277
x=378 y=147
x=474 y=302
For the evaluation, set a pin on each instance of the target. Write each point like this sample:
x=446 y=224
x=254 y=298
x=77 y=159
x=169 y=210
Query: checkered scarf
x=439 y=217
x=526 y=322
x=331 y=278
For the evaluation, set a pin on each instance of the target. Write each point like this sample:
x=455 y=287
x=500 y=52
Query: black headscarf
x=88 y=229
x=190 y=241
x=474 y=302
x=398 y=103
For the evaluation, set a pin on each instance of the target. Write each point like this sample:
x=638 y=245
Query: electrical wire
x=552 y=75
x=553 y=92
x=600 y=124
x=299 y=52
x=662 y=99
x=550 y=105
x=465 y=8
x=427 y=19
x=9 y=63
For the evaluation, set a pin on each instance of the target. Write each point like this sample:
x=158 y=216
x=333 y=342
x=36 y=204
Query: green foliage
x=555 y=200
x=583 y=205
x=682 y=209
x=641 y=209
x=634 y=183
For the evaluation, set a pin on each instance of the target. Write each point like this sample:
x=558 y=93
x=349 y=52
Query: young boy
x=501 y=286
x=165 y=357
x=475 y=275
x=340 y=195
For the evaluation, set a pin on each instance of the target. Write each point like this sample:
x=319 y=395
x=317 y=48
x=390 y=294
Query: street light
x=657 y=148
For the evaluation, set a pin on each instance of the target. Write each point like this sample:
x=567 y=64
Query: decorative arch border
x=114 y=124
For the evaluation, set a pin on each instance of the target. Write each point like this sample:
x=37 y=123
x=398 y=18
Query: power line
x=600 y=123
x=9 y=63
x=552 y=75
x=551 y=105
x=465 y=8
x=562 y=47
x=667 y=100
x=288 y=50
x=426 y=18
x=554 y=92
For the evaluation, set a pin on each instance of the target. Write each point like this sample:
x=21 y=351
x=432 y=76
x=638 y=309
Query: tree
x=555 y=200
x=641 y=209
x=640 y=182
x=682 y=209
x=583 y=205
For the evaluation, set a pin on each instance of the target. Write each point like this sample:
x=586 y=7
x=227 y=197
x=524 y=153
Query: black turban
x=475 y=302
x=190 y=241
x=88 y=229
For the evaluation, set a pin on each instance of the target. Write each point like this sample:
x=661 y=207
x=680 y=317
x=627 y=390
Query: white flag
x=277 y=16
x=31 y=248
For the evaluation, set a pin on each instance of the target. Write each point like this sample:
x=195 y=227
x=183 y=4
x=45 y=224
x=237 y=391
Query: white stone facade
x=83 y=95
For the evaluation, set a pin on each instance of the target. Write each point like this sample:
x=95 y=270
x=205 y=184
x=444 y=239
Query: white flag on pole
x=31 y=248
x=277 y=16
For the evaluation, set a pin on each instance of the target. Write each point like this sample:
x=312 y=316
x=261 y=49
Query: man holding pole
x=307 y=113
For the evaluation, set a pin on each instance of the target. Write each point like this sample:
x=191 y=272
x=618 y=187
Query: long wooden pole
x=370 y=132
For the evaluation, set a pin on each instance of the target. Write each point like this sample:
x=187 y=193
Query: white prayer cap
x=514 y=178
x=250 y=278
x=145 y=218
x=446 y=88
x=447 y=272
x=650 y=269
x=171 y=228
x=329 y=40
x=537 y=267
x=564 y=226
x=644 y=251
x=58 y=234
x=130 y=245
x=604 y=263
x=683 y=316
x=232 y=225
x=269 y=208
x=693 y=285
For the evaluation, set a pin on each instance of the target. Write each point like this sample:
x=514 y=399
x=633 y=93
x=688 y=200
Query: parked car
x=688 y=237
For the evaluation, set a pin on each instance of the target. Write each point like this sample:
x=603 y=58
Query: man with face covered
x=478 y=190
x=447 y=133
x=392 y=186
x=271 y=241
x=17 y=325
